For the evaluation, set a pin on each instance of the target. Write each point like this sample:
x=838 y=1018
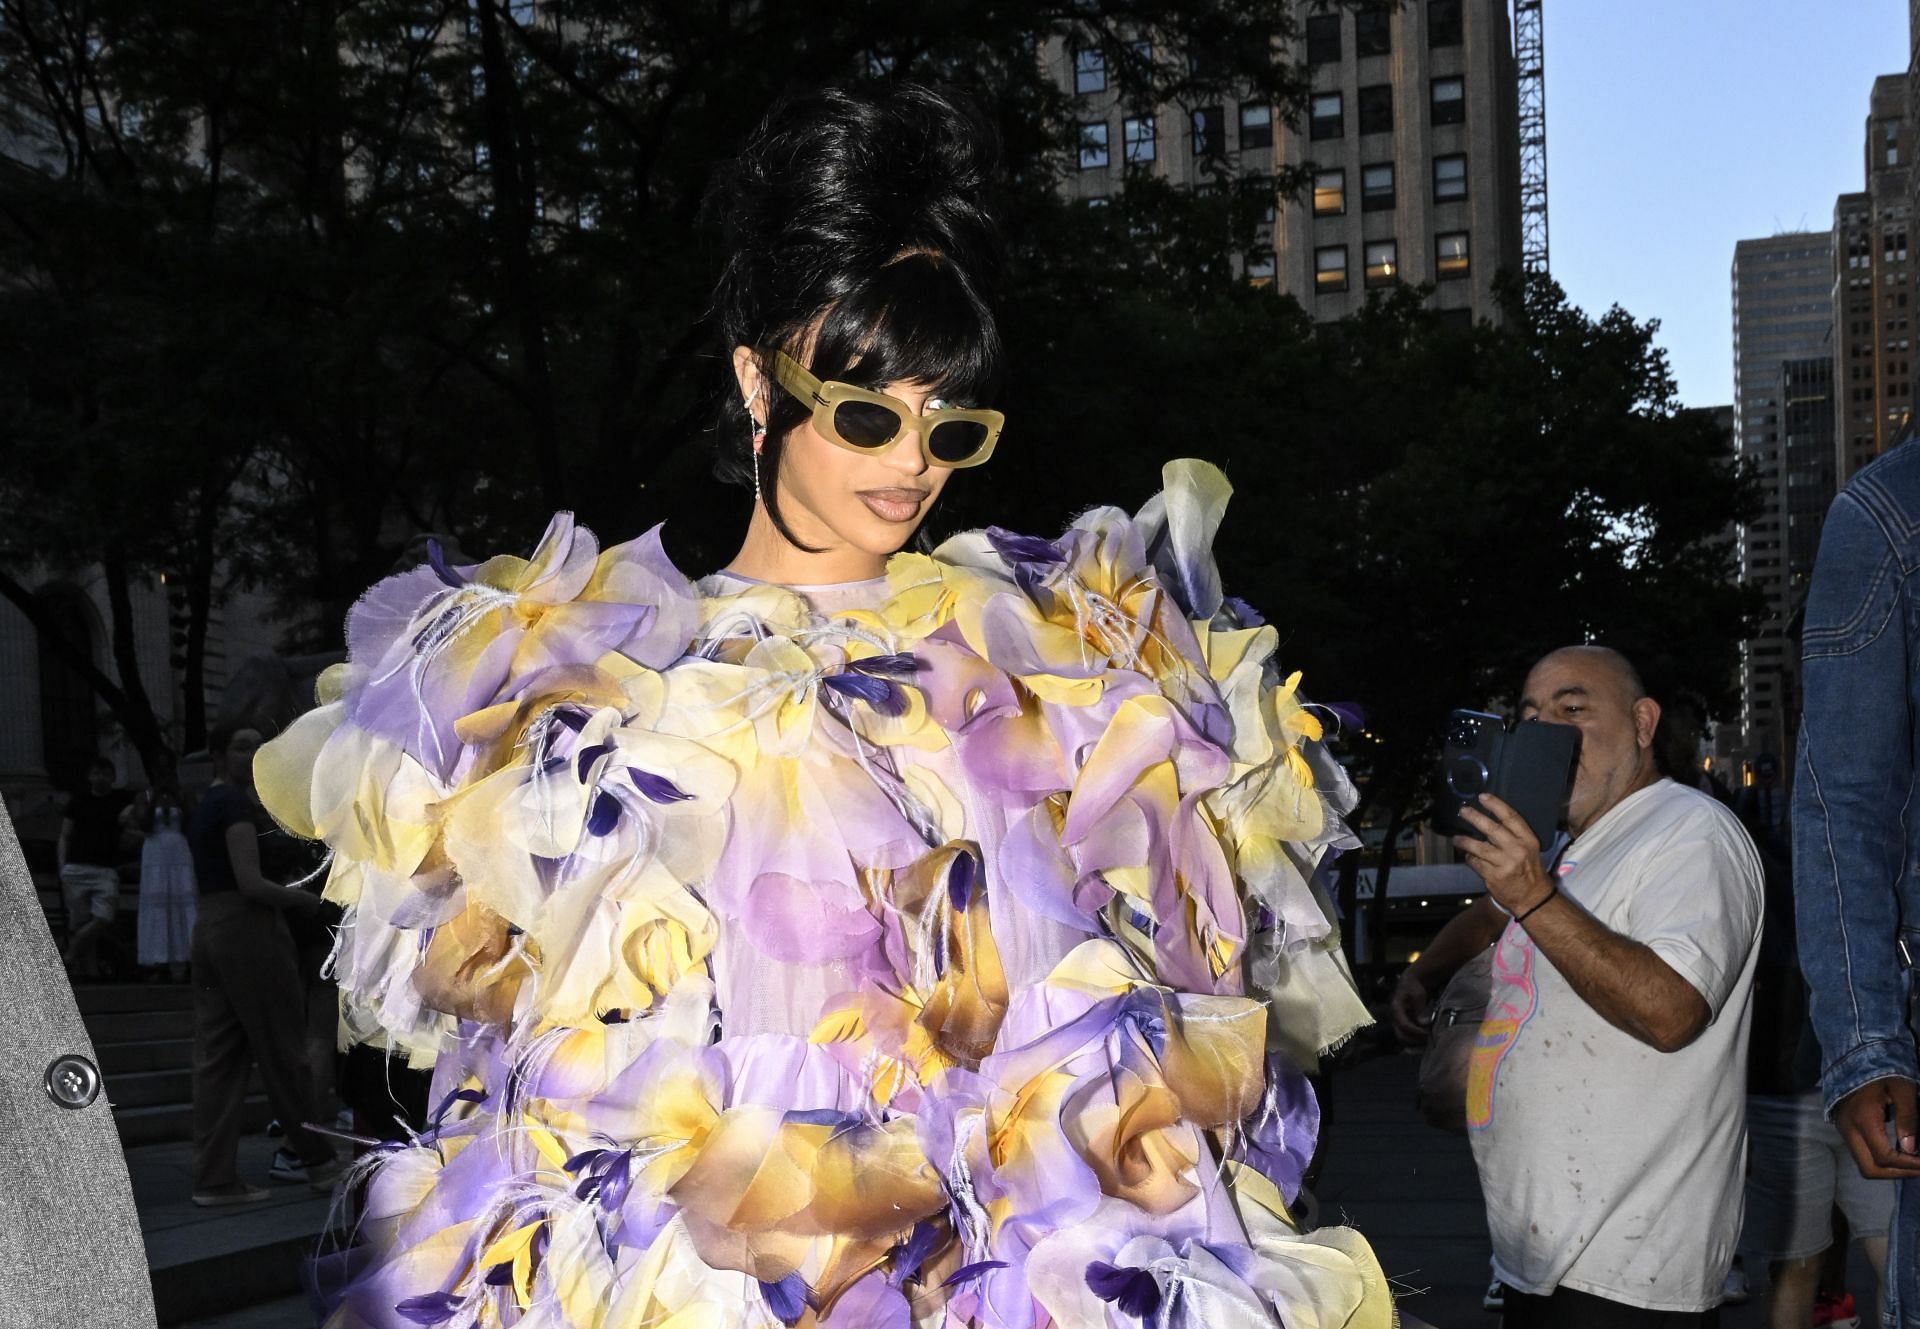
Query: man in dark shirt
x=91 y=840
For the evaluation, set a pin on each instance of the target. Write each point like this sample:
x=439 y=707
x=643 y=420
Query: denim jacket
x=1856 y=830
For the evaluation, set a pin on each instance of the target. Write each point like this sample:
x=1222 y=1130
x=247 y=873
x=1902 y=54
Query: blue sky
x=1653 y=171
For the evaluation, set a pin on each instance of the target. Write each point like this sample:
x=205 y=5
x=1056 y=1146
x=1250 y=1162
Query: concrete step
x=159 y=1054
x=139 y=1026
x=165 y=1123
x=217 y=1262
x=136 y=1089
x=99 y=998
x=280 y=1313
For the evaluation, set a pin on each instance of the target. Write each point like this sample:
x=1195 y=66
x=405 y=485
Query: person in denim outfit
x=1856 y=835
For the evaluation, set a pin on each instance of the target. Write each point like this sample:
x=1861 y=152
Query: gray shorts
x=1798 y=1170
x=90 y=892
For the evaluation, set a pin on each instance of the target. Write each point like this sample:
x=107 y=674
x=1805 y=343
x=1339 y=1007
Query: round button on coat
x=73 y=1081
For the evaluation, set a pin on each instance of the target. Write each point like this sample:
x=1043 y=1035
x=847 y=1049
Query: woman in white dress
x=166 y=884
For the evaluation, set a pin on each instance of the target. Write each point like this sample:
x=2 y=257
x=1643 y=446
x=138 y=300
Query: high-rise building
x=1782 y=320
x=1873 y=288
x=1411 y=132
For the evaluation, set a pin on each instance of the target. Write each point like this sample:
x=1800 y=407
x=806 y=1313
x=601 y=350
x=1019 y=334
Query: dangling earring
x=759 y=437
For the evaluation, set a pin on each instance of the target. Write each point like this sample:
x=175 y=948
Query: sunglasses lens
x=956 y=440
x=866 y=424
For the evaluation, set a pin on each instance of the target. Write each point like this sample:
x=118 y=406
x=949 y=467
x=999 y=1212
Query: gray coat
x=70 y=1248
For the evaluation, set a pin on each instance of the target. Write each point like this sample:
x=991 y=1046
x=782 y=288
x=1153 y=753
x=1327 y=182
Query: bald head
x=1603 y=659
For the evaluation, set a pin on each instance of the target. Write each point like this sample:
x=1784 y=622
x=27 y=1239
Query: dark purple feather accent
x=902 y=663
x=587 y=1187
x=968 y=1272
x=910 y=1254
x=587 y=756
x=437 y=557
x=1243 y=613
x=615 y=1181
x=960 y=879
x=657 y=788
x=585 y=1158
x=1132 y=1290
x=1034 y=582
x=883 y=696
x=571 y=717
x=432 y=1308
x=605 y=814
x=1017 y=548
x=501 y=1275
x=613 y=1017
x=787 y=1299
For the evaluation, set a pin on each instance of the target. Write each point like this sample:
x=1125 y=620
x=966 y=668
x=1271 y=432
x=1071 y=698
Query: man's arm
x=1466 y=934
x=243 y=854
x=60 y=846
x=1854 y=773
x=1626 y=983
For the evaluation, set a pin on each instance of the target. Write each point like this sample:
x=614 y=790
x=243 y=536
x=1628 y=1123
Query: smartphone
x=1530 y=767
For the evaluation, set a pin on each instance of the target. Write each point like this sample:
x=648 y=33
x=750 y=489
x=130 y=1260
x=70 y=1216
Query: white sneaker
x=1735 y=1292
x=1496 y=1296
x=287 y=1166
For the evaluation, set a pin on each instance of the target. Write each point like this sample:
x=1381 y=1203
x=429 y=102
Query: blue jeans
x=1856 y=822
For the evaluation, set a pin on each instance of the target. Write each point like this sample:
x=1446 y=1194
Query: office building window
x=1449 y=178
x=1323 y=39
x=1383 y=263
x=1449 y=101
x=1093 y=145
x=1376 y=109
x=1372 y=33
x=1209 y=132
x=1329 y=193
x=1260 y=267
x=1089 y=70
x=1443 y=23
x=1451 y=257
x=1136 y=133
x=1256 y=125
x=1330 y=269
x=1376 y=187
x=1325 y=116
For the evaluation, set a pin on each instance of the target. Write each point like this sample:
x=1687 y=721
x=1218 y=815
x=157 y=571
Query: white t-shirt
x=1609 y=1167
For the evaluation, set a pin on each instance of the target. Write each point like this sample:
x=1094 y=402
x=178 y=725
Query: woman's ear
x=746 y=373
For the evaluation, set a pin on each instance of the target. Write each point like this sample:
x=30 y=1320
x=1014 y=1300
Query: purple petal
x=437 y=558
x=1243 y=613
x=1132 y=1290
x=883 y=696
x=975 y=1270
x=1017 y=548
x=960 y=879
x=913 y=1252
x=605 y=814
x=787 y=1299
x=432 y=1308
x=587 y=756
x=657 y=788
x=1033 y=581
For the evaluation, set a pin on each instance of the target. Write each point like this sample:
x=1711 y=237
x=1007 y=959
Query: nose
x=908 y=455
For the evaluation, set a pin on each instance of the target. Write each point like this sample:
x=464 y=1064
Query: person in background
x=248 y=997
x=166 y=883
x=89 y=850
x=1856 y=837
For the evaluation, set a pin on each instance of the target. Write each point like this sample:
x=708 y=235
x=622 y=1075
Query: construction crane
x=1529 y=57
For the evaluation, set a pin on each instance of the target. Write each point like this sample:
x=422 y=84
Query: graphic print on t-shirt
x=1511 y=1003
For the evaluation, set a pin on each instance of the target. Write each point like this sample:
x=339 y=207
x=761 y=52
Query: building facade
x=1411 y=134
x=1873 y=288
x=1783 y=316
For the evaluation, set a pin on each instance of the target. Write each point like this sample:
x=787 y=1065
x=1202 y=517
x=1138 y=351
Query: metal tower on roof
x=1529 y=56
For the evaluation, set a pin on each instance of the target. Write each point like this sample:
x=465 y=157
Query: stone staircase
x=143 y=1036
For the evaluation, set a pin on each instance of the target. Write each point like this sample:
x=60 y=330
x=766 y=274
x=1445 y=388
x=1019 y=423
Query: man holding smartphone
x=1606 y=1096
x=1856 y=836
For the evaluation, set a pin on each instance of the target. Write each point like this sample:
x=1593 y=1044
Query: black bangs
x=916 y=320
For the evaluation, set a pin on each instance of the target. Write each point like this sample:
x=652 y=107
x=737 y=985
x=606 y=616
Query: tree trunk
x=142 y=725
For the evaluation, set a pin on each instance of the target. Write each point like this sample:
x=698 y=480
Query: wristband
x=1553 y=889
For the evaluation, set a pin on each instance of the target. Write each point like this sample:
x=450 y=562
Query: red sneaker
x=1835 y=1312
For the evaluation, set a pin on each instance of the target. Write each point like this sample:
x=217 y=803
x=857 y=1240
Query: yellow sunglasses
x=864 y=421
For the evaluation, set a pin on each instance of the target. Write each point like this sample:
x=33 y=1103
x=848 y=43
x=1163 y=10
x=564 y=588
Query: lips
x=894 y=504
